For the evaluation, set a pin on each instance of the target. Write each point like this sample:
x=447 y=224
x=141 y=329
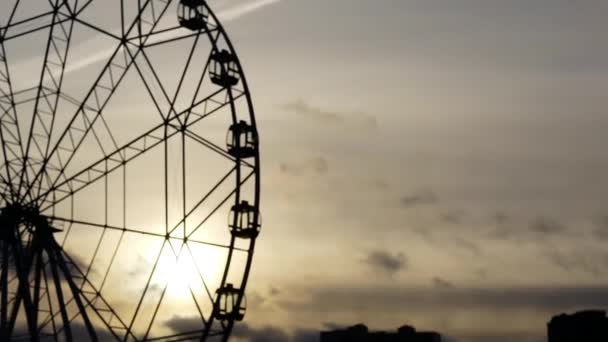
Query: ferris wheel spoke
x=163 y=114
x=203 y=199
x=9 y=20
x=146 y=287
x=128 y=152
x=184 y=336
x=10 y=133
x=24 y=27
x=215 y=148
x=173 y=34
x=200 y=275
x=98 y=29
x=48 y=94
x=241 y=183
x=92 y=296
x=100 y=93
x=95 y=225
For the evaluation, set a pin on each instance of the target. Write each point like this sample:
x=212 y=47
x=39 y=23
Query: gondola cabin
x=192 y=14
x=226 y=304
x=241 y=140
x=223 y=69
x=244 y=221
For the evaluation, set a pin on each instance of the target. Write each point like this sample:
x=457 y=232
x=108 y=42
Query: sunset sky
x=439 y=163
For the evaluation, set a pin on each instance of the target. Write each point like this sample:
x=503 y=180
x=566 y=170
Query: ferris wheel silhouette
x=128 y=137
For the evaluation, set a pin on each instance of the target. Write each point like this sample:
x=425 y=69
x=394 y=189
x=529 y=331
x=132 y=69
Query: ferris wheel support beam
x=99 y=94
x=4 y=290
x=22 y=265
x=55 y=257
x=67 y=330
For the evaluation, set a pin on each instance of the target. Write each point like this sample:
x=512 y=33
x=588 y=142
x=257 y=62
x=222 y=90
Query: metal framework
x=82 y=257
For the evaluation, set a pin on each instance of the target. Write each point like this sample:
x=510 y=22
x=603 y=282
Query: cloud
x=422 y=197
x=244 y=9
x=442 y=283
x=500 y=218
x=306 y=335
x=264 y=334
x=506 y=227
x=270 y=333
x=544 y=225
x=588 y=262
x=453 y=217
x=385 y=262
x=306 y=110
x=499 y=337
x=180 y=324
x=79 y=332
x=390 y=300
x=601 y=228
x=101 y=51
x=317 y=165
x=254 y=299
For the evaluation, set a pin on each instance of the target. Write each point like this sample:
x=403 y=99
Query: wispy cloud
x=324 y=116
x=244 y=9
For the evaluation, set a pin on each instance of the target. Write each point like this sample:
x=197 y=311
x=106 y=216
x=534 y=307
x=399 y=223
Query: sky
x=433 y=163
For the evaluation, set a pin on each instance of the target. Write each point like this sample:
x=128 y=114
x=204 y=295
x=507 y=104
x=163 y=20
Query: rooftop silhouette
x=588 y=326
x=360 y=333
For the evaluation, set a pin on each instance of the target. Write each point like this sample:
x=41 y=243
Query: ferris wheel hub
x=16 y=217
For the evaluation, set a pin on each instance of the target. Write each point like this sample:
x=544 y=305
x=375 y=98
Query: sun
x=186 y=269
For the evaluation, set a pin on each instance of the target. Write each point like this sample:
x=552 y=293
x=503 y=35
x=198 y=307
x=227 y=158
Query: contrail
x=241 y=10
x=105 y=52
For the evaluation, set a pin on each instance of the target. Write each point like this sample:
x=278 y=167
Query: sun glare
x=188 y=271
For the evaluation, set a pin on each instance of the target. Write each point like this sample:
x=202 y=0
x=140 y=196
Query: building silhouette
x=587 y=326
x=360 y=333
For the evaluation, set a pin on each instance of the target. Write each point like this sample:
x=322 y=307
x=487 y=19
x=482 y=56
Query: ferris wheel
x=129 y=176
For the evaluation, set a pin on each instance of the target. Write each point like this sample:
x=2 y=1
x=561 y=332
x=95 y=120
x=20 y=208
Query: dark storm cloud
x=305 y=335
x=307 y=110
x=422 y=197
x=392 y=300
x=318 y=165
x=179 y=323
x=386 y=262
x=79 y=333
